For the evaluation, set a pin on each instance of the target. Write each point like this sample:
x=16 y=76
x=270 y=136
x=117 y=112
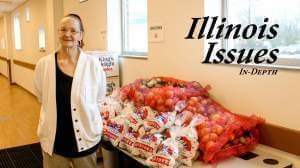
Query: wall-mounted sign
x=156 y=33
x=109 y=62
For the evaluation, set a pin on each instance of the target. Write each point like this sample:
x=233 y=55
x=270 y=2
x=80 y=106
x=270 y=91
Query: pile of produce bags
x=169 y=121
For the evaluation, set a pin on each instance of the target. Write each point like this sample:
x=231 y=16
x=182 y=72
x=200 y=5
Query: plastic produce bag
x=115 y=130
x=160 y=122
x=166 y=155
x=146 y=145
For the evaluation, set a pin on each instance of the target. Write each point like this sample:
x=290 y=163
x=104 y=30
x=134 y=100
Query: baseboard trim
x=23 y=88
x=1 y=74
x=9 y=71
x=3 y=58
x=8 y=66
x=280 y=137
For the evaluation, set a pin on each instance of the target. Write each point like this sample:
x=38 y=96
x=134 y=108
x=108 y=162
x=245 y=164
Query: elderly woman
x=69 y=84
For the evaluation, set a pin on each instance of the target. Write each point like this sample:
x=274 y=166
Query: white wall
x=2 y=36
x=30 y=52
x=44 y=14
x=3 y=68
x=93 y=15
x=3 y=51
x=23 y=77
x=273 y=97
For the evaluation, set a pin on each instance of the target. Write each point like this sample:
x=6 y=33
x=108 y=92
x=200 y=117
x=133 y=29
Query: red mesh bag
x=161 y=93
x=225 y=134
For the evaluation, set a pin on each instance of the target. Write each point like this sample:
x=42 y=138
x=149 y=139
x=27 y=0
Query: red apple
x=194 y=99
x=214 y=116
x=213 y=136
x=204 y=131
x=205 y=138
x=218 y=129
x=160 y=101
x=209 y=145
x=169 y=102
x=169 y=93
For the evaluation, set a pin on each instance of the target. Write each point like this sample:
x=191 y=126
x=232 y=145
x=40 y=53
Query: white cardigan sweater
x=88 y=89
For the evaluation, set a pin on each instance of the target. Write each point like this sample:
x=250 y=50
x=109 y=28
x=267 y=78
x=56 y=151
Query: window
x=134 y=27
x=27 y=14
x=17 y=32
x=284 y=13
x=42 y=39
x=3 y=43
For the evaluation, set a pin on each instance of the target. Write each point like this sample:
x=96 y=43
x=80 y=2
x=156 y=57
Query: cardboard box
x=113 y=83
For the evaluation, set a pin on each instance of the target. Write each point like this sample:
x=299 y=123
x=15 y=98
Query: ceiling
x=9 y=5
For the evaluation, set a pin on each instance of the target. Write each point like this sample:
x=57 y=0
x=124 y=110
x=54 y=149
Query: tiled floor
x=19 y=114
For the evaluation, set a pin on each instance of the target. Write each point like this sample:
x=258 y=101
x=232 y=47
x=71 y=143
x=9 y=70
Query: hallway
x=19 y=115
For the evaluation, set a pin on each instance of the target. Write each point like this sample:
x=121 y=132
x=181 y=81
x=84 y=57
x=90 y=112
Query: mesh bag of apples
x=220 y=133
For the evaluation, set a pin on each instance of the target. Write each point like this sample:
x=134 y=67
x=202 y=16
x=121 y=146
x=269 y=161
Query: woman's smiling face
x=70 y=33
